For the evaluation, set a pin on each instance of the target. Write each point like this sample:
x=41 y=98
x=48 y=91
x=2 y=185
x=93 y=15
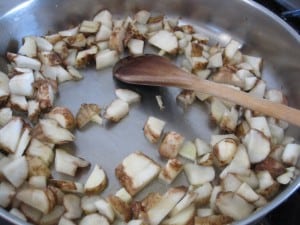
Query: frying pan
x=261 y=32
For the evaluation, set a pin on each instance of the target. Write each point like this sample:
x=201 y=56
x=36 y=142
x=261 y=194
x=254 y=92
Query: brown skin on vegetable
x=87 y=113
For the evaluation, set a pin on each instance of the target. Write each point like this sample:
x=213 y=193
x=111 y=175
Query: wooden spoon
x=155 y=70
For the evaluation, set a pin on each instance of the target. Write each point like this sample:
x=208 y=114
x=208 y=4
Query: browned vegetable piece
x=87 y=113
x=170 y=145
x=136 y=171
x=122 y=209
x=63 y=116
x=213 y=220
x=41 y=199
x=48 y=130
x=45 y=93
x=274 y=167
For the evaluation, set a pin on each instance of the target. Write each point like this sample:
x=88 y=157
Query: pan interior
x=107 y=145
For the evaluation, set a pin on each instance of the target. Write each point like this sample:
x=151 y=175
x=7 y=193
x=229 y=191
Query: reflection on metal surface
x=18 y=8
x=289 y=4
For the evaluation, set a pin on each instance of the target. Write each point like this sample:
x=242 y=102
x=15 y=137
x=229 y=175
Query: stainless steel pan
x=262 y=33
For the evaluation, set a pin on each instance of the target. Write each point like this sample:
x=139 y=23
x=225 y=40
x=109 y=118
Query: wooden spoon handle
x=279 y=111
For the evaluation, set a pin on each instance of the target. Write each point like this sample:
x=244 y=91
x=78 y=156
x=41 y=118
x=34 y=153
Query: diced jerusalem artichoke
x=40 y=199
x=22 y=84
x=136 y=171
x=188 y=151
x=71 y=203
x=291 y=154
x=63 y=116
x=127 y=95
x=121 y=209
x=258 y=146
x=10 y=135
x=159 y=210
x=124 y=195
x=16 y=171
x=96 y=182
x=7 y=193
x=171 y=170
x=48 y=130
x=67 y=163
x=197 y=174
x=165 y=40
x=87 y=113
x=117 y=110
x=29 y=47
x=170 y=145
x=213 y=219
x=105 y=209
x=153 y=129
x=184 y=217
x=234 y=206
x=92 y=219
